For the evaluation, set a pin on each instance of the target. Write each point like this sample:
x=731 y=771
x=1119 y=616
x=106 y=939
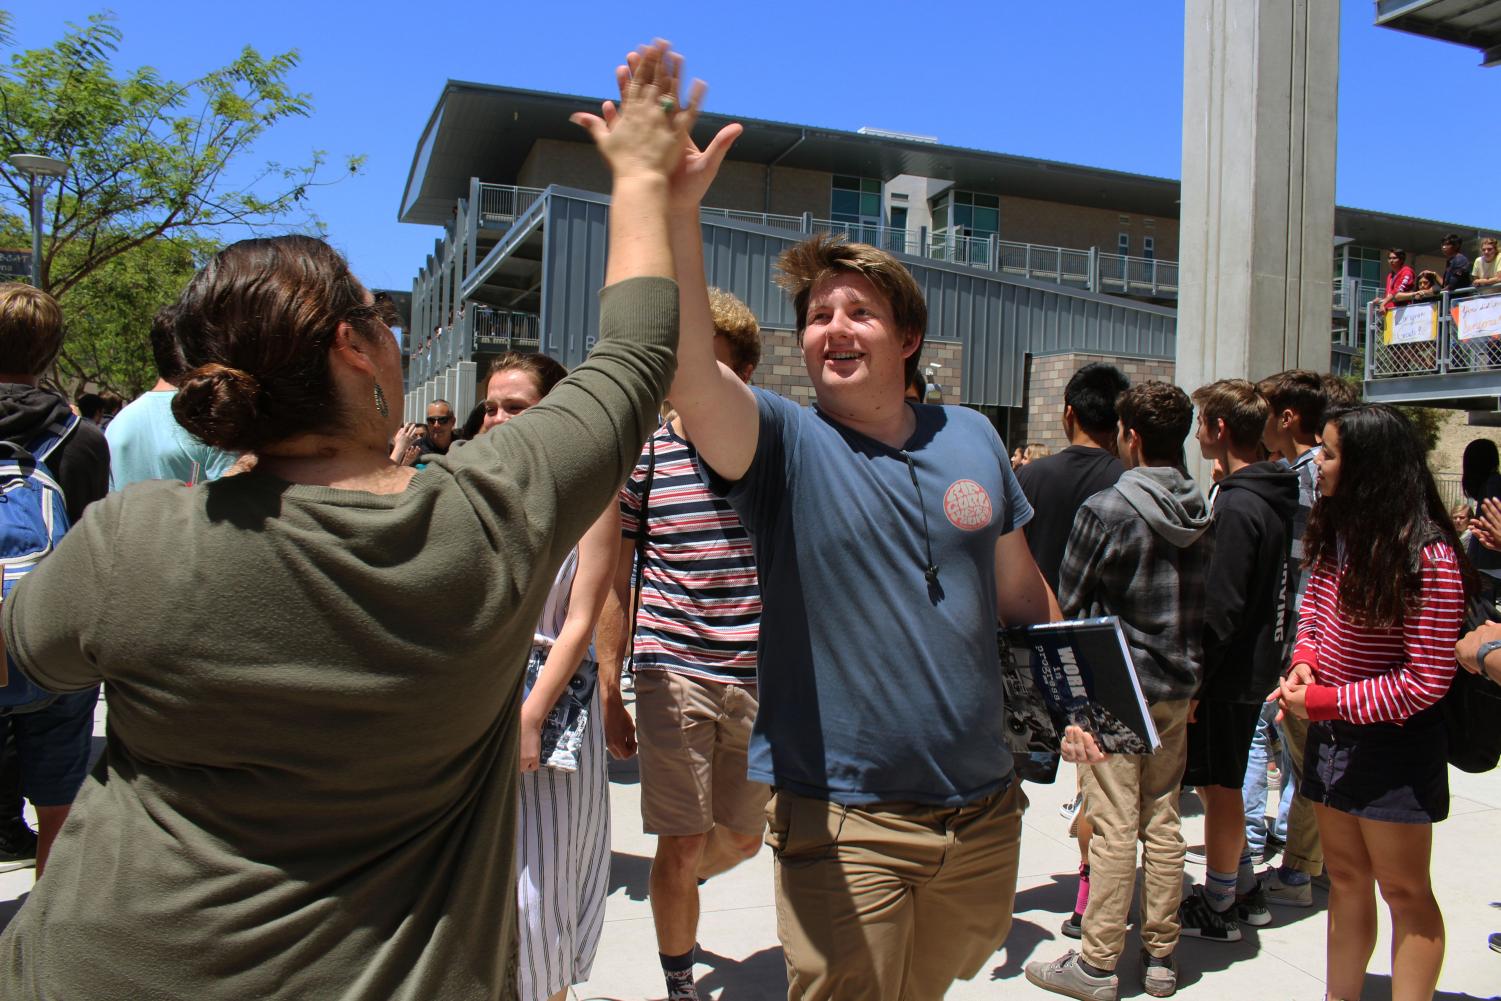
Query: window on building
x=898 y=218
x=856 y=200
x=1123 y=244
x=1148 y=248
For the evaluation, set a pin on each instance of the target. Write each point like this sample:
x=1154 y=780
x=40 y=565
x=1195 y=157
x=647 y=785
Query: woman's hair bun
x=221 y=406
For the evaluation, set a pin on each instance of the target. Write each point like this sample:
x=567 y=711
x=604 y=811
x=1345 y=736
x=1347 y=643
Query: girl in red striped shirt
x=1374 y=653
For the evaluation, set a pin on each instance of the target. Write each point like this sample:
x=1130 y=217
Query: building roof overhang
x=487 y=131
x=1476 y=23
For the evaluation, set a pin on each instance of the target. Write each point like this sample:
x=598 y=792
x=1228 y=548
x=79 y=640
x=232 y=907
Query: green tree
x=157 y=170
x=1428 y=422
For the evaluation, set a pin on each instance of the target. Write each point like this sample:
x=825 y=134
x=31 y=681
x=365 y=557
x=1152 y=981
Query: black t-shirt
x=1457 y=274
x=1057 y=486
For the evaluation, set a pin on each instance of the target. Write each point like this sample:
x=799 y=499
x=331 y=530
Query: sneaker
x=1495 y=941
x=1278 y=892
x=1159 y=977
x=1251 y=908
x=17 y=847
x=1199 y=855
x=680 y=986
x=1065 y=976
x=1202 y=921
x=1073 y=927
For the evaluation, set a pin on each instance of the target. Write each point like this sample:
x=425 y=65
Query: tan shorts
x=692 y=736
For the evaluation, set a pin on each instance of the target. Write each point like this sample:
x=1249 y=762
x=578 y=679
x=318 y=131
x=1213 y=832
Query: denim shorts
x=53 y=745
x=1397 y=772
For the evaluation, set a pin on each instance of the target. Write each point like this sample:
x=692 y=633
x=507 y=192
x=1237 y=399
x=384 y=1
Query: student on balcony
x=1487 y=269
x=1399 y=279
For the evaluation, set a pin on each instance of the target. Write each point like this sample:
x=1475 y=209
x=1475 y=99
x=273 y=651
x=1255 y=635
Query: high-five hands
x=646 y=134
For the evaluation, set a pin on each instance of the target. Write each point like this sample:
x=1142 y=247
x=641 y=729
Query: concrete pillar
x=465 y=389
x=1260 y=81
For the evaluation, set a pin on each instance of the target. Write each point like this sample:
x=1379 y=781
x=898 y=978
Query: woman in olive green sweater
x=310 y=784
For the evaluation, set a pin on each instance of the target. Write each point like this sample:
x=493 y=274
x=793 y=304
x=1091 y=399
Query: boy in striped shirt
x=695 y=666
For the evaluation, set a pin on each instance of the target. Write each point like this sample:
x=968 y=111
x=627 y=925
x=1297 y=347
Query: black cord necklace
x=931 y=573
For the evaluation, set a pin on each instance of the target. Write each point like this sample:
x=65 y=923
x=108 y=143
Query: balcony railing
x=500 y=204
x=1086 y=269
x=498 y=330
x=1457 y=332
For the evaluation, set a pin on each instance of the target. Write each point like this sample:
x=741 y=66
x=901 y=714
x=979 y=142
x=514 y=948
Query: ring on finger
x=668 y=104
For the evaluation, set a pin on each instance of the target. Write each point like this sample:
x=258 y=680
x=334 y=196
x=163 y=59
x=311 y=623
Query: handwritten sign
x=1478 y=317
x=1412 y=324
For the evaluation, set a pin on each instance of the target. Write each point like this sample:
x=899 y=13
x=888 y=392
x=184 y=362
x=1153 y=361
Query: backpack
x=33 y=517
x=1471 y=708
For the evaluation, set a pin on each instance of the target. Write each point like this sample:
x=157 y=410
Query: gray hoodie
x=1140 y=551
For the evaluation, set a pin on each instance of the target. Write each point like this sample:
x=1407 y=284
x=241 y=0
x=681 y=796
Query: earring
x=380 y=402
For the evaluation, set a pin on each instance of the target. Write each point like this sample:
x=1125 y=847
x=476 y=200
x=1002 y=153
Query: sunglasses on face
x=440 y=421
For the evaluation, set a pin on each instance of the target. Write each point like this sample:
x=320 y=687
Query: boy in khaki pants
x=1140 y=551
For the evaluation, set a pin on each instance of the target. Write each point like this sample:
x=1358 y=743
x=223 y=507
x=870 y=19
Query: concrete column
x=1260 y=81
x=465 y=389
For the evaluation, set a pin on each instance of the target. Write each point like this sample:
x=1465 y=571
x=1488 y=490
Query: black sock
x=1159 y=960
x=1094 y=971
x=677 y=964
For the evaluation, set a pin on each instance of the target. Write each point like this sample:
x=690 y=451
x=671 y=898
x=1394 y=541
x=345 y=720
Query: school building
x=1030 y=267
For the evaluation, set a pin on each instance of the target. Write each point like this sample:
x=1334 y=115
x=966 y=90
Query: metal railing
x=1137 y=275
x=1443 y=351
x=1449 y=489
x=500 y=204
x=497 y=330
x=1072 y=266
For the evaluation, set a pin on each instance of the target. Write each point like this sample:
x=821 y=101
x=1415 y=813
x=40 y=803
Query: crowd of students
x=320 y=782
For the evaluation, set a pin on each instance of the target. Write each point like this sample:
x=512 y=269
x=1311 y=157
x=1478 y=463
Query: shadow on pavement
x=1379 y=988
x=631 y=873
x=762 y=976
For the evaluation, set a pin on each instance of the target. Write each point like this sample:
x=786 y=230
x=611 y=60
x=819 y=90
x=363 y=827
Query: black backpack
x=1471 y=708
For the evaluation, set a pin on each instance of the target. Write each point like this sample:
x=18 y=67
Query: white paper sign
x=1411 y=324
x=1478 y=317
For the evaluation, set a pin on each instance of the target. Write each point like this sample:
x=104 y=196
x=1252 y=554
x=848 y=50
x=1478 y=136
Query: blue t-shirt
x=875 y=684
x=147 y=443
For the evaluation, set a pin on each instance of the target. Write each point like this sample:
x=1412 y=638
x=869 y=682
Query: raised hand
x=646 y=134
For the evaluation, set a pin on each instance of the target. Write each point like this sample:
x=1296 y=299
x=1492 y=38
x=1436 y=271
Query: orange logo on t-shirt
x=967 y=505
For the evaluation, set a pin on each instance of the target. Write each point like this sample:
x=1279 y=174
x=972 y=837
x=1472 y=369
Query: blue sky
x=1086 y=81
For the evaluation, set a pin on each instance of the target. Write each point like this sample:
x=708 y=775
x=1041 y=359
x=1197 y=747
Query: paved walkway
x=741 y=961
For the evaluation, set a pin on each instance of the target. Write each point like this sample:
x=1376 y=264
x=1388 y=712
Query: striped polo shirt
x=700 y=604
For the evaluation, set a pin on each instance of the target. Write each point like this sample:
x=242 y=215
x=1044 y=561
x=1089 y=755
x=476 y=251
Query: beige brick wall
x=1048 y=375
x=1032 y=220
x=781 y=369
x=739 y=185
x=573 y=165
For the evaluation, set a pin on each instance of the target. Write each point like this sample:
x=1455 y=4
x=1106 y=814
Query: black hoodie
x=80 y=465
x=1248 y=613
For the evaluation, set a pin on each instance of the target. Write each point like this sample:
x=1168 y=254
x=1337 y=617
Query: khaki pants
x=894 y=901
x=1304 y=851
x=1130 y=798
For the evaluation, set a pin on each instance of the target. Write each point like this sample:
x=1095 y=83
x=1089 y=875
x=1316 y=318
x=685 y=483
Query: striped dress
x=562 y=845
x=1368 y=675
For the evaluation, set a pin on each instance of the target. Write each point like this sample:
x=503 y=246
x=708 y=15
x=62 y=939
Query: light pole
x=39 y=170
